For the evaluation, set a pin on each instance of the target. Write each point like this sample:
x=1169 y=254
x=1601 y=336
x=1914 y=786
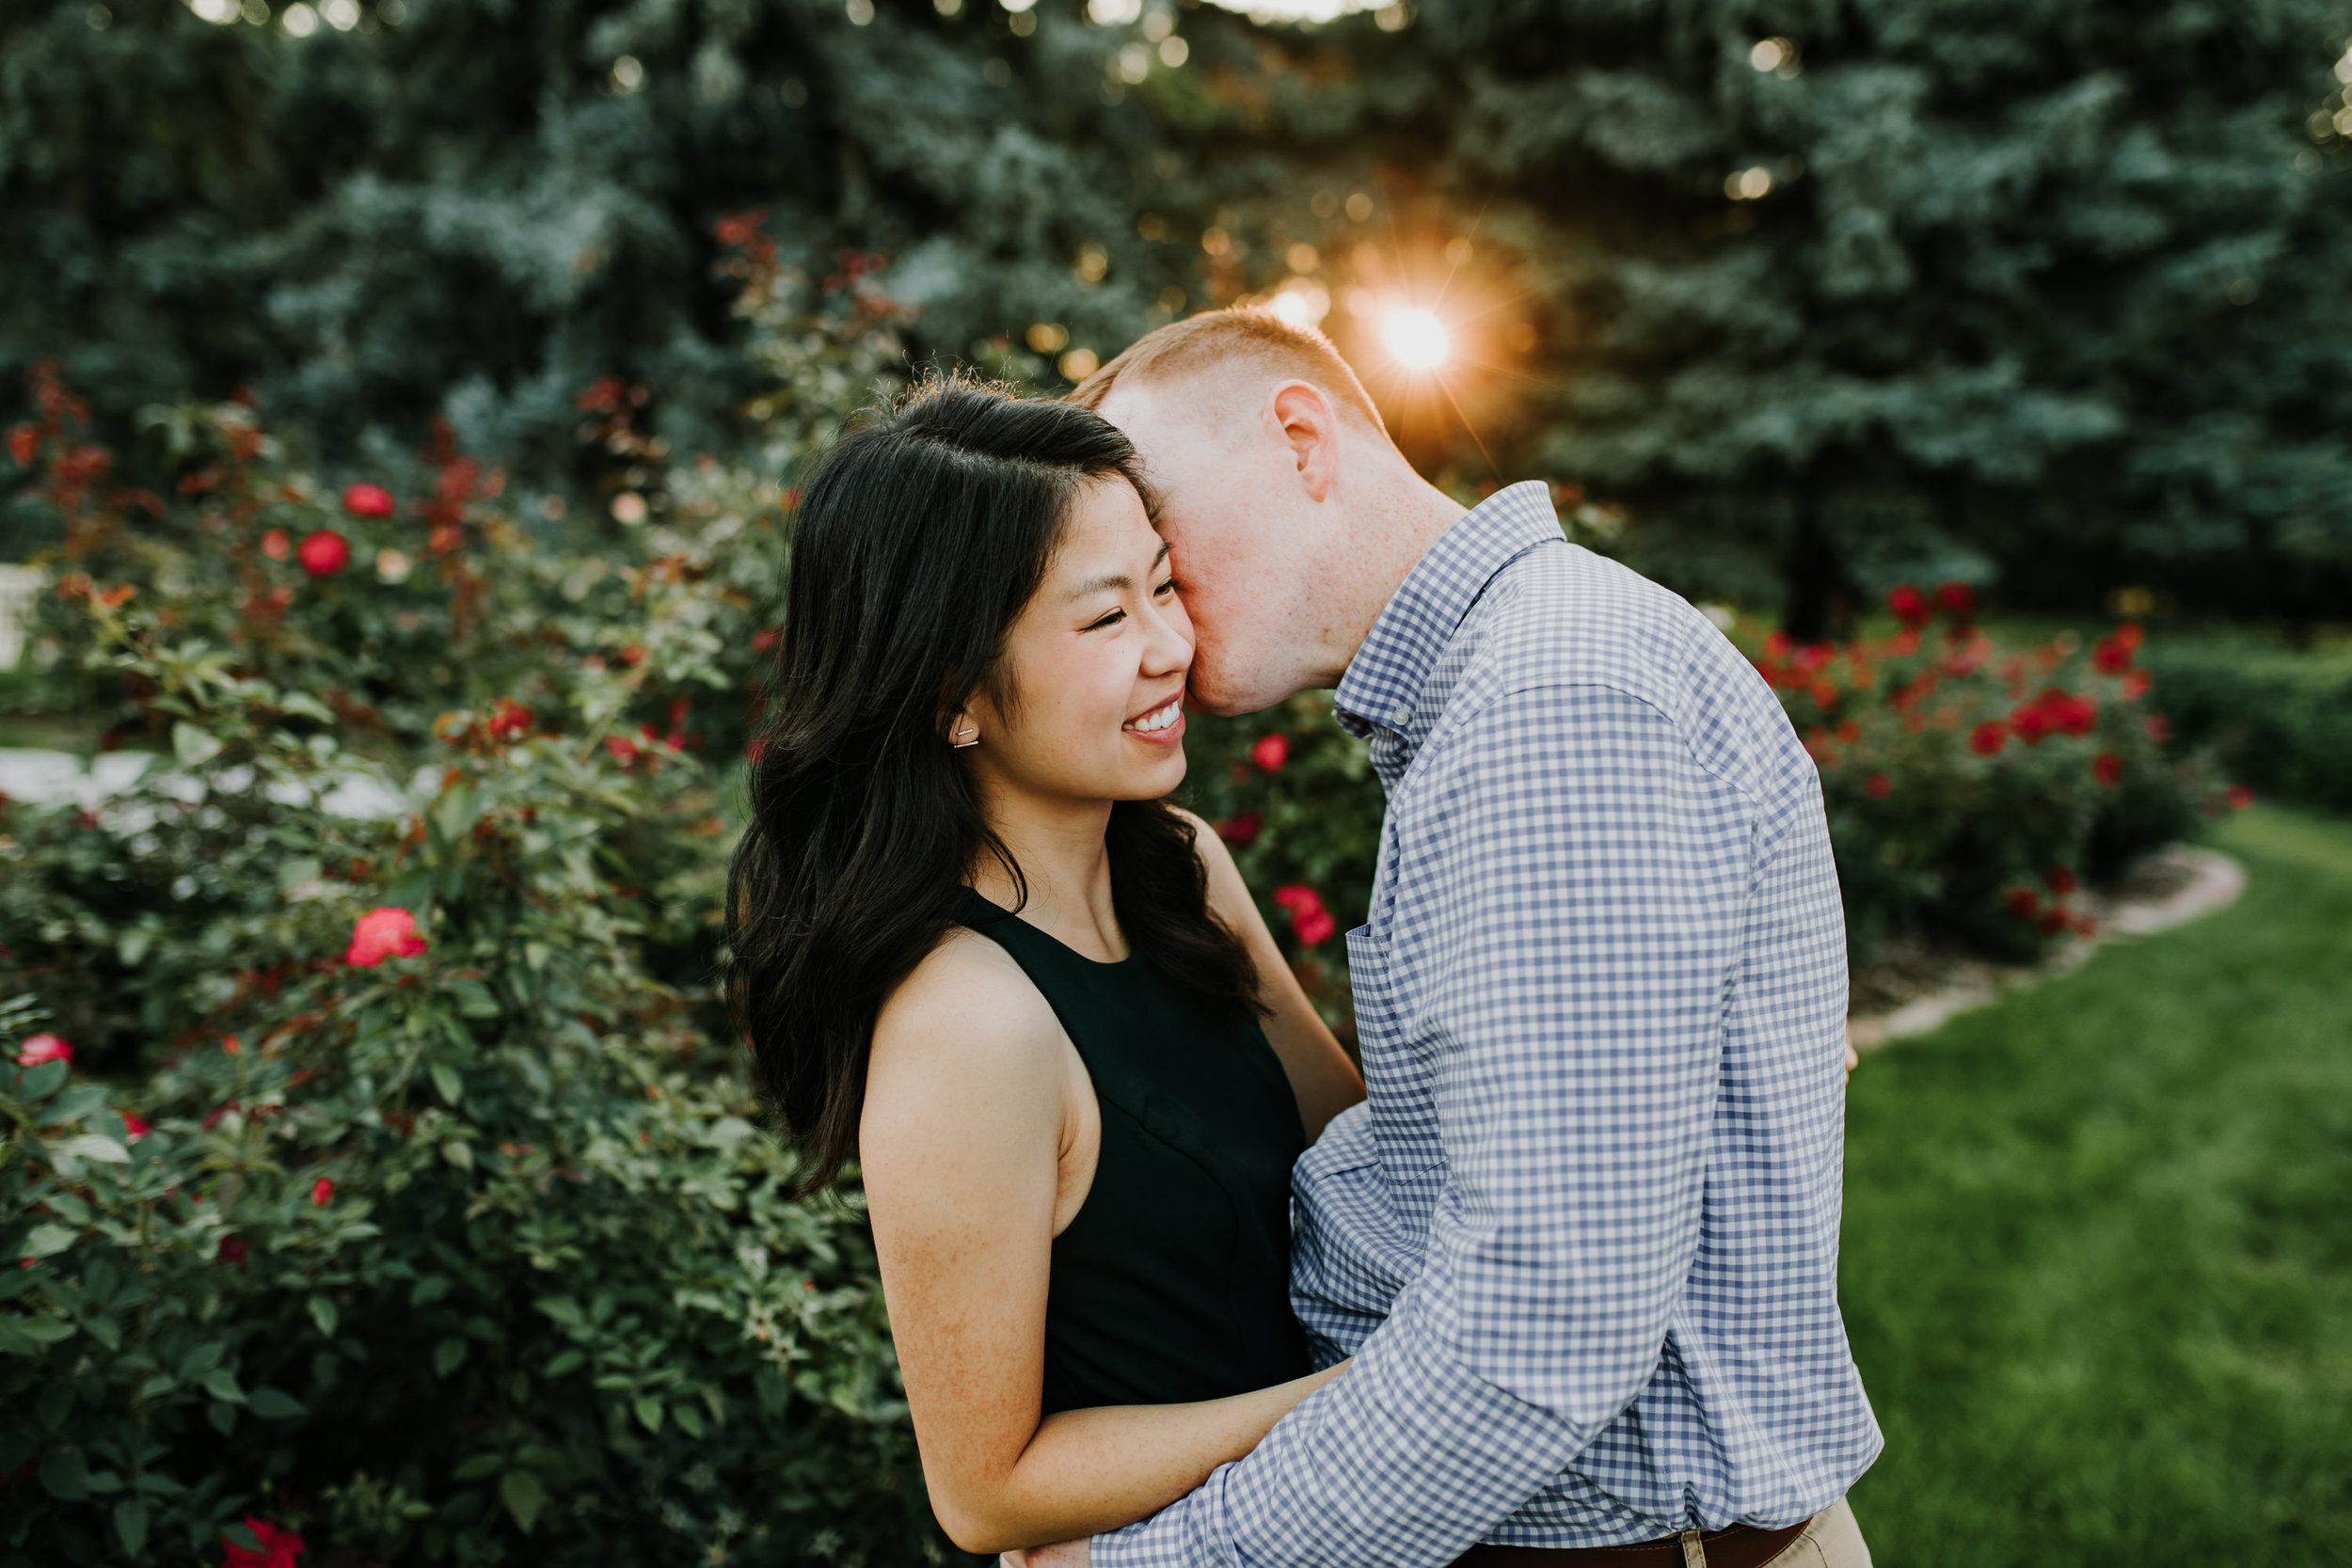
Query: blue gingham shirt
x=1582 y=1238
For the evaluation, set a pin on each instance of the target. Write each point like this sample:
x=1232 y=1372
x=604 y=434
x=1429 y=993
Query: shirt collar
x=1383 y=684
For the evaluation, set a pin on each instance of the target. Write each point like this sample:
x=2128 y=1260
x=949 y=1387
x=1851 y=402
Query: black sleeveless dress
x=1172 y=1284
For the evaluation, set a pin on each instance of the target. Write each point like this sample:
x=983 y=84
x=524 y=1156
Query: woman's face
x=1096 y=666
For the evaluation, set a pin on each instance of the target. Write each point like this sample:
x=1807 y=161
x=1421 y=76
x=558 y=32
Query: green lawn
x=2098 y=1247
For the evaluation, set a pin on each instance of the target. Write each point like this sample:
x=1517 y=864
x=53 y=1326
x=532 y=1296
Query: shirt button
x=1398 y=713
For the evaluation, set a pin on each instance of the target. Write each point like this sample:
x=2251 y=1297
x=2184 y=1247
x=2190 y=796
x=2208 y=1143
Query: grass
x=2098 y=1247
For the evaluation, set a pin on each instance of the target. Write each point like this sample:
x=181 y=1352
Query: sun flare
x=1416 y=339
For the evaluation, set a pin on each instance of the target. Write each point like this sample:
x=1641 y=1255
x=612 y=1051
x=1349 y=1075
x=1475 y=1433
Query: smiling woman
x=976 y=951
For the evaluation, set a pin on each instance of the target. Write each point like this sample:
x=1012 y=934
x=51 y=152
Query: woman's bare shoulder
x=967 y=1012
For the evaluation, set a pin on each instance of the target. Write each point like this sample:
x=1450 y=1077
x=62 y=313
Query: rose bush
x=378 y=1180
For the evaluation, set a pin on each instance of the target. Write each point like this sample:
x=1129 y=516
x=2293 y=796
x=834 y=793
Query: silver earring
x=971 y=737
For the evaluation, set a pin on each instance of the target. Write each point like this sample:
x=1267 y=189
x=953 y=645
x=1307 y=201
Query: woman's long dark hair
x=920 y=539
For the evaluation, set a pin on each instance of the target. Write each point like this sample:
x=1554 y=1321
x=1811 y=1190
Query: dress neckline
x=997 y=911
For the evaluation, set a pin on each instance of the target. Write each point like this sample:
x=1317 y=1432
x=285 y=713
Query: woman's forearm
x=1086 y=1471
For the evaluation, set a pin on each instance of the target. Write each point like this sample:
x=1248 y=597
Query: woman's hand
x=1062 y=1554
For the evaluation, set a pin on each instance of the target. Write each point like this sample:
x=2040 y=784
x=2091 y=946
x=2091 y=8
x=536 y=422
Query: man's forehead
x=1157 y=411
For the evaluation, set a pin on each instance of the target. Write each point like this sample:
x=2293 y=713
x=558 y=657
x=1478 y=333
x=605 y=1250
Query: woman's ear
x=963 y=730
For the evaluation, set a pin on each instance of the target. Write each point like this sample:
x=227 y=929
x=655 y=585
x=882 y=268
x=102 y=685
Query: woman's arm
x=976 y=1109
x=1325 y=1081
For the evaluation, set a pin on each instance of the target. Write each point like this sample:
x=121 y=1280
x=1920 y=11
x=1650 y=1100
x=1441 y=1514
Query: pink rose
x=383 y=932
x=36 y=1048
x=367 y=500
x=324 y=553
x=277 y=1548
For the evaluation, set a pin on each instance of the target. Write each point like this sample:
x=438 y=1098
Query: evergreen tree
x=1840 y=294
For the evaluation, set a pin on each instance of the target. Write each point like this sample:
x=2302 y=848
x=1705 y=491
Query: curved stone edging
x=2213 y=882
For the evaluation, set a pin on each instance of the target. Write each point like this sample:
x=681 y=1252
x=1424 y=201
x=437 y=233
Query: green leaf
x=64 y=1474
x=649 y=1412
x=37 y=1084
x=192 y=746
x=564 y=1365
x=223 y=1416
x=90 y=1145
x=475 y=1000
x=481 y=1464
x=453 y=1089
x=524 y=1497
x=303 y=705
x=272 y=1404
x=324 y=1314
x=447 y=1355
x=131 y=1523
x=690 y=1420
x=105 y=1331
x=459 y=1153
x=47 y=1241
x=222 y=1385
x=75 y=1103
x=563 y=1309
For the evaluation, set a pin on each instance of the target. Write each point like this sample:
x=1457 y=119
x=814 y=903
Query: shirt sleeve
x=1558 y=935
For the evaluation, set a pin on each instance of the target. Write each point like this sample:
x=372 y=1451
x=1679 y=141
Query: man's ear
x=1310 y=426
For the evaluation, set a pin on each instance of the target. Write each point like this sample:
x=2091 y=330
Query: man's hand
x=1066 y=1554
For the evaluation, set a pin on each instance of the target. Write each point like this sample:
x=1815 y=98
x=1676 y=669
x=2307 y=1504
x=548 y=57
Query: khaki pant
x=1832 y=1541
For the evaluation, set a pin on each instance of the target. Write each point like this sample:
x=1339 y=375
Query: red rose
x=1988 y=738
x=509 y=719
x=2022 y=903
x=133 y=1128
x=2239 y=796
x=2111 y=658
x=33 y=1050
x=386 y=931
x=24 y=445
x=2136 y=685
x=2127 y=636
x=367 y=500
x=1310 y=921
x=320 y=1191
x=2062 y=880
x=1879 y=786
x=276 y=544
x=275 y=1548
x=2054 y=922
x=1957 y=600
x=1823 y=692
x=2159 y=728
x=231 y=1251
x=2107 y=767
x=1270 y=751
x=755 y=750
x=325 y=553
x=1910 y=605
x=765 y=639
x=1241 y=831
x=1907 y=642
x=624 y=750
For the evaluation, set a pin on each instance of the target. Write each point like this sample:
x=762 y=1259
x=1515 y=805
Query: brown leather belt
x=1741 y=1547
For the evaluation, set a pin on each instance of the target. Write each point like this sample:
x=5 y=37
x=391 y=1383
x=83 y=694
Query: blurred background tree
x=2049 y=297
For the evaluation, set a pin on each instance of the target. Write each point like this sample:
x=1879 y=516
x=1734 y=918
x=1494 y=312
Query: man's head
x=1291 y=515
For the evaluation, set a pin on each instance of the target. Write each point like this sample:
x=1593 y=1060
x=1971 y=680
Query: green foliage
x=2281 y=718
x=471 y=1252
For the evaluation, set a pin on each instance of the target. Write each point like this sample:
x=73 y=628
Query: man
x=1582 y=1238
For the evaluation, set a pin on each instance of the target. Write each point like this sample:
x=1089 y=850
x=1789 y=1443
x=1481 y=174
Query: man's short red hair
x=1224 y=339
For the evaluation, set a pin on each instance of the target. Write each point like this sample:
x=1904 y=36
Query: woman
x=980 y=955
